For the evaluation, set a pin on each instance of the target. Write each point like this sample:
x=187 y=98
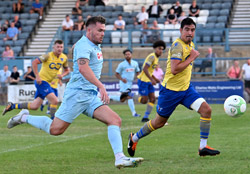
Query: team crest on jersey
x=61 y=59
x=99 y=56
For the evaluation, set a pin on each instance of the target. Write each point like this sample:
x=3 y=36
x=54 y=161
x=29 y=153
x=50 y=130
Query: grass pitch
x=84 y=147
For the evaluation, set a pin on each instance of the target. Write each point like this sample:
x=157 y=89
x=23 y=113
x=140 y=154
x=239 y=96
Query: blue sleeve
x=119 y=69
x=82 y=51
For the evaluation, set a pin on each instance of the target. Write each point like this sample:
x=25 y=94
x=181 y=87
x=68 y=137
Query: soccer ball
x=235 y=106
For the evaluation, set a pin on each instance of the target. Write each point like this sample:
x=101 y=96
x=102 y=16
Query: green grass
x=84 y=147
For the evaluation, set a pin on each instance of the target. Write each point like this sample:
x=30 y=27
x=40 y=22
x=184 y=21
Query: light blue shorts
x=76 y=102
x=125 y=86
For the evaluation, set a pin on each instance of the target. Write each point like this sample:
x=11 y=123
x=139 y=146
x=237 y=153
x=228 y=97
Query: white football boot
x=16 y=120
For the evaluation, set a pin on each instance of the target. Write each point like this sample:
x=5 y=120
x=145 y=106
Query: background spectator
x=142 y=16
x=245 y=73
x=77 y=9
x=119 y=24
x=208 y=61
x=37 y=7
x=8 y=53
x=29 y=76
x=234 y=71
x=145 y=34
x=183 y=16
x=79 y=24
x=18 y=7
x=171 y=17
x=18 y=23
x=4 y=80
x=155 y=10
x=5 y=26
x=83 y=2
x=15 y=76
x=67 y=24
x=12 y=32
x=177 y=9
x=194 y=9
x=158 y=73
x=155 y=35
x=98 y=2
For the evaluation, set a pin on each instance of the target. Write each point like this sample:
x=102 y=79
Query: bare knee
x=206 y=111
x=56 y=131
x=116 y=120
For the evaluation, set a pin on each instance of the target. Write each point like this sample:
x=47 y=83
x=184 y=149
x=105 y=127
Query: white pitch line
x=58 y=141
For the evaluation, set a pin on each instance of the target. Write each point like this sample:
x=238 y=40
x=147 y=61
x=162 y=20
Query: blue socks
x=115 y=139
x=131 y=106
x=40 y=122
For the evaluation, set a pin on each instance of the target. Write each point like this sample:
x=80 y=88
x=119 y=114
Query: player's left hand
x=59 y=76
x=104 y=95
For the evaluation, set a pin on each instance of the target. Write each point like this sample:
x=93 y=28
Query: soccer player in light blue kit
x=125 y=72
x=81 y=95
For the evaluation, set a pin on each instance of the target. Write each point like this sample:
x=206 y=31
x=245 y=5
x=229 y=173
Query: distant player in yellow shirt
x=51 y=64
x=176 y=89
x=146 y=79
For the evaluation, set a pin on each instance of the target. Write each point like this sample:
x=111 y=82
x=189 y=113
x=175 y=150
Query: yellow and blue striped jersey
x=51 y=64
x=151 y=61
x=181 y=81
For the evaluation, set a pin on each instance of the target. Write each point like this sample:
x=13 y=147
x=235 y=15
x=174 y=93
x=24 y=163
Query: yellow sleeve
x=150 y=59
x=44 y=58
x=176 y=51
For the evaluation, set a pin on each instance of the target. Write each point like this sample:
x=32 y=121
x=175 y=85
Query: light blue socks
x=40 y=122
x=115 y=139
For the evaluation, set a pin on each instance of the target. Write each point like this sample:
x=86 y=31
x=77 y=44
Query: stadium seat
x=136 y=36
x=107 y=14
x=108 y=8
x=115 y=14
x=129 y=27
x=206 y=38
x=99 y=8
x=125 y=37
x=216 y=6
x=23 y=36
x=34 y=16
x=126 y=14
x=222 y=19
x=90 y=9
x=169 y=26
x=24 y=16
x=211 y=19
x=204 y=13
x=214 y=12
x=217 y=39
x=226 y=5
x=20 y=42
x=6 y=16
x=109 y=27
x=118 y=8
x=128 y=8
x=1 y=43
x=202 y=20
x=210 y=25
x=206 y=6
x=9 y=42
x=220 y=25
x=116 y=37
x=224 y=12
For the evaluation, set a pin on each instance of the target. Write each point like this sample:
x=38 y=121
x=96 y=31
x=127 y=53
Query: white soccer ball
x=235 y=106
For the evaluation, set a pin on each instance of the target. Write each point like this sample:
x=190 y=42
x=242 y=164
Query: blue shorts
x=43 y=89
x=76 y=102
x=145 y=88
x=168 y=100
x=55 y=91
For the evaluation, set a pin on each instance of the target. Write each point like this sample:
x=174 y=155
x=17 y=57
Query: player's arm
x=35 y=70
x=118 y=76
x=145 y=70
x=177 y=65
x=88 y=74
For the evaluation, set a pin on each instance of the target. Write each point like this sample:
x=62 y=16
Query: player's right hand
x=153 y=81
x=124 y=80
x=38 y=80
x=104 y=95
x=194 y=54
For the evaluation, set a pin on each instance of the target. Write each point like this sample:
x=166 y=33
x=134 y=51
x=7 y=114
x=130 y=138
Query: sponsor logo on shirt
x=99 y=56
x=130 y=70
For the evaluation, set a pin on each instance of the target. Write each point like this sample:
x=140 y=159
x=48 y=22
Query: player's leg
x=113 y=121
x=201 y=106
x=53 y=100
x=150 y=104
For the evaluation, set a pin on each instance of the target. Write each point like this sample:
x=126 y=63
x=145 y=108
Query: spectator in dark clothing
x=5 y=26
x=15 y=76
x=194 y=9
x=155 y=10
x=99 y=2
x=208 y=61
x=79 y=24
x=18 y=7
x=29 y=76
x=83 y=2
x=18 y=23
x=171 y=17
x=177 y=8
x=77 y=9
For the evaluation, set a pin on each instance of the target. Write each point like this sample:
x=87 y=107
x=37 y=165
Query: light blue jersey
x=127 y=71
x=80 y=95
x=94 y=54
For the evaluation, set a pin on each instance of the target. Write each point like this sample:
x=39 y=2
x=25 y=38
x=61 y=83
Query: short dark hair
x=124 y=52
x=187 y=21
x=95 y=19
x=159 y=43
x=58 y=42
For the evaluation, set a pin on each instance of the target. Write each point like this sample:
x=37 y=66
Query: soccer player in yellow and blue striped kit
x=51 y=64
x=176 y=89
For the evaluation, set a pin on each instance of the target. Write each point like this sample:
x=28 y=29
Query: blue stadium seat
x=108 y=8
x=206 y=6
x=211 y=19
x=107 y=14
x=128 y=21
x=217 y=38
x=27 y=29
x=8 y=10
x=2 y=36
x=161 y=20
x=210 y=25
x=198 y=39
x=111 y=21
x=129 y=27
x=151 y=20
x=23 y=36
x=218 y=32
x=31 y=22
x=224 y=12
x=85 y=14
x=1 y=43
x=206 y=38
x=9 y=42
x=199 y=26
x=220 y=25
x=1 y=50
x=97 y=13
x=214 y=12
x=106 y=41
x=6 y=16
x=20 y=42
x=118 y=8
x=126 y=14
x=99 y=8
x=188 y=1
x=115 y=14
x=216 y=6
x=17 y=50
x=34 y=16
x=24 y=16
x=90 y=8
x=226 y=5
x=134 y=14
x=222 y=19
